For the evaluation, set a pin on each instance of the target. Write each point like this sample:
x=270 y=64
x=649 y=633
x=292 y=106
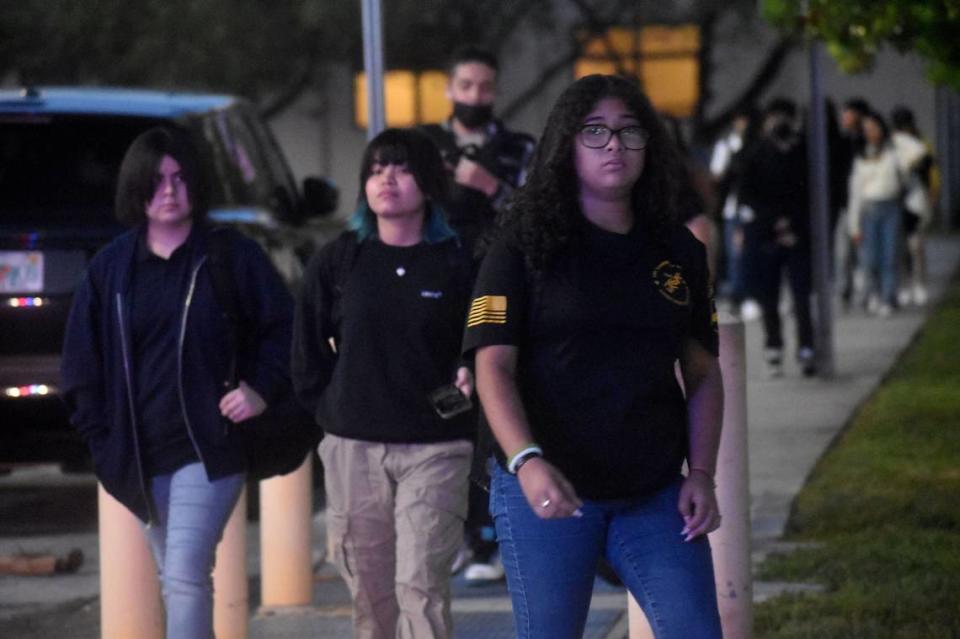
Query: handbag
x=278 y=440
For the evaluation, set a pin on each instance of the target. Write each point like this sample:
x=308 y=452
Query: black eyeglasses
x=597 y=136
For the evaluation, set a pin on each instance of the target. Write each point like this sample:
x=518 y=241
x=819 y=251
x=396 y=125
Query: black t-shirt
x=397 y=320
x=597 y=338
x=159 y=288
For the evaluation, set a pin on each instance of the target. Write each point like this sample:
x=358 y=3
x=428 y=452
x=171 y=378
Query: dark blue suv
x=60 y=151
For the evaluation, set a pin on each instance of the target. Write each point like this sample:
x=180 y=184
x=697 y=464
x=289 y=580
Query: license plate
x=21 y=272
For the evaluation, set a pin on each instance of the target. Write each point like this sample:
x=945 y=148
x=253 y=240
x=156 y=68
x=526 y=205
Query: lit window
x=664 y=59
x=411 y=97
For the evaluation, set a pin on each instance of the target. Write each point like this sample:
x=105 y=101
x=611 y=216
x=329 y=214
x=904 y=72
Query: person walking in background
x=376 y=360
x=589 y=296
x=145 y=360
x=875 y=218
x=773 y=191
x=726 y=167
x=918 y=202
x=485 y=159
x=842 y=153
x=697 y=197
x=486 y=163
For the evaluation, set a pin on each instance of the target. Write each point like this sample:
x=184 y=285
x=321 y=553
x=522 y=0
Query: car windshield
x=61 y=171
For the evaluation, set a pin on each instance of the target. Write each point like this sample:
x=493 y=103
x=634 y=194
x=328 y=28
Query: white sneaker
x=773 y=359
x=905 y=297
x=873 y=304
x=478 y=574
x=464 y=555
x=920 y=296
x=749 y=311
x=884 y=310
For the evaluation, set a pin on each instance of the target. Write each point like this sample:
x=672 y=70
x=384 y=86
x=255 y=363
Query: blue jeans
x=191 y=515
x=551 y=563
x=736 y=287
x=880 y=226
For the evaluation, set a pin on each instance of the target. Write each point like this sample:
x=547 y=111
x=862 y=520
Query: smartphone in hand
x=449 y=402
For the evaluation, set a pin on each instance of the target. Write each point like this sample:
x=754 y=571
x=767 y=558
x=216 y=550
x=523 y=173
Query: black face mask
x=472 y=115
x=783 y=132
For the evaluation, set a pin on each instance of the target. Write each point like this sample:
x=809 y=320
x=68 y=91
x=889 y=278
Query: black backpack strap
x=345 y=256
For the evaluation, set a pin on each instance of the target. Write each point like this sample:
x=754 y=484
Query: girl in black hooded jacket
x=146 y=369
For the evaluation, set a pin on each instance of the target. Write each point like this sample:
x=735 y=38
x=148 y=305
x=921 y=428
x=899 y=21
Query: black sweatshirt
x=158 y=290
x=396 y=316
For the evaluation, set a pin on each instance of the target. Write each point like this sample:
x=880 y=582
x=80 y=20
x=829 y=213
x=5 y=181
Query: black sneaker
x=773 y=358
x=808 y=361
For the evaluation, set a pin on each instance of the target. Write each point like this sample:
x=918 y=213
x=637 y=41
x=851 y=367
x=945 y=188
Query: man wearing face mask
x=777 y=241
x=486 y=160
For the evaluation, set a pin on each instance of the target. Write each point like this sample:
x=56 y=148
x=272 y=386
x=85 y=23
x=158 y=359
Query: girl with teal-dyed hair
x=376 y=358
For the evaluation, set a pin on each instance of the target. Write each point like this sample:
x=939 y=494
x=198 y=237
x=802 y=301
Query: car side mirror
x=320 y=196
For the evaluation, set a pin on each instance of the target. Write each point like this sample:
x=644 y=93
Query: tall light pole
x=373 y=65
x=820 y=216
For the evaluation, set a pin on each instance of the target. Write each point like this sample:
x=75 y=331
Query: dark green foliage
x=854 y=30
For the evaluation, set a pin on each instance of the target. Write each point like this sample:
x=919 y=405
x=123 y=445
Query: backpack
x=278 y=440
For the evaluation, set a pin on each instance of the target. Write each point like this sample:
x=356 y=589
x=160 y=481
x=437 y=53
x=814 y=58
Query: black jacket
x=97 y=373
x=505 y=154
x=774 y=185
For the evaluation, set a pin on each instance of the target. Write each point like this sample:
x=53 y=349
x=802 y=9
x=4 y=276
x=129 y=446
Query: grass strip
x=883 y=506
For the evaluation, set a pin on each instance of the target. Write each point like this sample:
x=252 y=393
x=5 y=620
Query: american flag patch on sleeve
x=489 y=309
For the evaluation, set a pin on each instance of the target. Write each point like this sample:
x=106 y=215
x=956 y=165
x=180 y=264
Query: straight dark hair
x=137 y=181
x=422 y=158
x=884 y=131
x=472 y=53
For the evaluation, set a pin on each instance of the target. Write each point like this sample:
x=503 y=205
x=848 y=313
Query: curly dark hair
x=544 y=217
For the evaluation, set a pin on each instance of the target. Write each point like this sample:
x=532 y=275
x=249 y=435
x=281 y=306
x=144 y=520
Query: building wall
x=320 y=138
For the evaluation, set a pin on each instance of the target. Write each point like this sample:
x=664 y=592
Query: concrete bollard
x=230 y=588
x=731 y=543
x=286 y=565
x=130 y=603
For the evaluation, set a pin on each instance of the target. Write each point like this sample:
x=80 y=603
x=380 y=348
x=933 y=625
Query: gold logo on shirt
x=668 y=278
x=489 y=309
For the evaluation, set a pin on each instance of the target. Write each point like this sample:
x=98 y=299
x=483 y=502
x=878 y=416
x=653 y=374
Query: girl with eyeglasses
x=585 y=301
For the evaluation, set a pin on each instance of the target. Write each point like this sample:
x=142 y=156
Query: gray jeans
x=192 y=513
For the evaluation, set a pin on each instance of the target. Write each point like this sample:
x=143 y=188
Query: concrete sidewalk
x=792 y=421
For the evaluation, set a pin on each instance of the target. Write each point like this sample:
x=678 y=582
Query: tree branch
x=709 y=130
x=507 y=25
x=289 y=94
x=567 y=59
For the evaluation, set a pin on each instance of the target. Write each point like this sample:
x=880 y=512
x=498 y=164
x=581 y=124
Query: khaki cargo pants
x=395 y=516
